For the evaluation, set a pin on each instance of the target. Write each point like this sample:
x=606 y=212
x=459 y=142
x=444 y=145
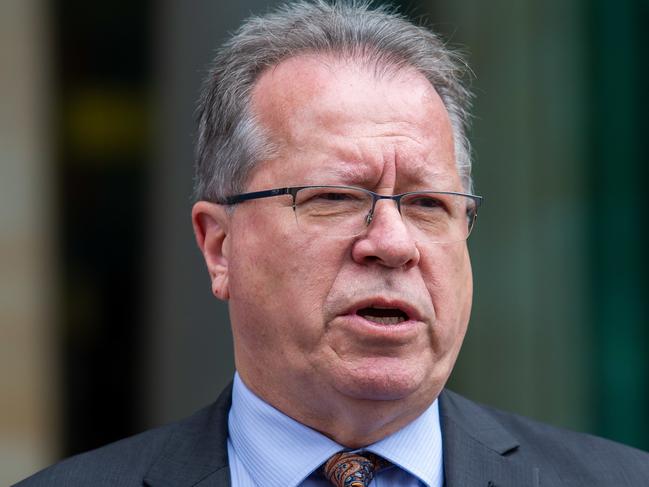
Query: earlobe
x=211 y=229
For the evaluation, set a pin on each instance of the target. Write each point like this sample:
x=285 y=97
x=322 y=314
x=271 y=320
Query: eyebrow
x=353 y=174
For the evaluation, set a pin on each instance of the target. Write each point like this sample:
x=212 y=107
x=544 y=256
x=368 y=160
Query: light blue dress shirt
x=266 y=448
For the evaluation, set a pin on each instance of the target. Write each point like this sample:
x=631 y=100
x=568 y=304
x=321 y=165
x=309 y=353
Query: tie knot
x=346 y=469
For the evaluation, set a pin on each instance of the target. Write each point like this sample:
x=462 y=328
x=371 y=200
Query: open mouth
x=383 y=316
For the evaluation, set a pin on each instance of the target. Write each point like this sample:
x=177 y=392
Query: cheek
x=279 y=281
x=449 y=281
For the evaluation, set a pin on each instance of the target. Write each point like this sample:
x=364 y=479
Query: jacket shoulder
x=124 y=462
x=194 y=442
x=576 y=458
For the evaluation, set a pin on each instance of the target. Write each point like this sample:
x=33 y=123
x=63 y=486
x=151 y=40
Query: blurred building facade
x=109 y=320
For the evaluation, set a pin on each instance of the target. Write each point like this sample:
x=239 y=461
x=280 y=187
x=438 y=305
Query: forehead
x=348 y=112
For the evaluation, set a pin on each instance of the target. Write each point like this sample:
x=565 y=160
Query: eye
x=330 y=197
x=334 y=196
x=426 y=201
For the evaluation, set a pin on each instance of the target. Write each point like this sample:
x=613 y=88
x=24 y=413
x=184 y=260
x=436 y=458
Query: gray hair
x=230 y=140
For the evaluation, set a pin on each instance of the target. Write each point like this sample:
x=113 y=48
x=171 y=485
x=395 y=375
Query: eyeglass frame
x=293 y=190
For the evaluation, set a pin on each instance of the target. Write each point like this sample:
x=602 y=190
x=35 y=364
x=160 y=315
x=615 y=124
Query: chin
x=385 y=383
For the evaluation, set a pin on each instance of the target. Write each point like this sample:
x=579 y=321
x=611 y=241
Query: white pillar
x=29 y=371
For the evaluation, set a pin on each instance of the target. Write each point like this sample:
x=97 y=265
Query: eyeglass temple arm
x=238 y=198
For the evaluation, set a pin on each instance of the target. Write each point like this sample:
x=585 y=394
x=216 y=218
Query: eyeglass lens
x=342 y=212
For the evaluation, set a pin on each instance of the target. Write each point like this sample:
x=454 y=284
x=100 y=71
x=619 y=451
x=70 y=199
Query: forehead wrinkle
x=342 y=173
x=419 y=176
x=349 y=163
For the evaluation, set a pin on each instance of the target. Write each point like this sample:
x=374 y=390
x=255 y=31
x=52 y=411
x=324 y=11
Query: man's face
x=295 y=298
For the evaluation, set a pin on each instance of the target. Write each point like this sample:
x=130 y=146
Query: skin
x=298 y=342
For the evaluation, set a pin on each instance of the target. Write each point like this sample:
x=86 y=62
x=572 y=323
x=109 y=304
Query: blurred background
x=107 y=323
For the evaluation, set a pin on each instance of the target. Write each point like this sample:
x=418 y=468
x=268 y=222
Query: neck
x=351 y=422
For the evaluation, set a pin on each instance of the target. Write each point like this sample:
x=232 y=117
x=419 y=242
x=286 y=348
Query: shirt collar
x=278 y=451
x=417 y=447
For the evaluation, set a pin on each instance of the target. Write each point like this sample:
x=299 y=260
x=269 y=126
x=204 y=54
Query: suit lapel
x=196 y=454
x=480 y=452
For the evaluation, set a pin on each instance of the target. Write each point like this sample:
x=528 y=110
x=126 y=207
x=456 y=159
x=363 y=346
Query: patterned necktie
x=353 y=470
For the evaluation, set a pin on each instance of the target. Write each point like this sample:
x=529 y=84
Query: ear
x=211 y=228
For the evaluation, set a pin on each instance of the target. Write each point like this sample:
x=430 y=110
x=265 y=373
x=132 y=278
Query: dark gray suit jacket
x=483 y=447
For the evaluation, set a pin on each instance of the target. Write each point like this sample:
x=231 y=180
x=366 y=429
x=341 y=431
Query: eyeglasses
x=345 y=211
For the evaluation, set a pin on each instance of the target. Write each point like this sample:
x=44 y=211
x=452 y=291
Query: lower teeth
x=385 y=320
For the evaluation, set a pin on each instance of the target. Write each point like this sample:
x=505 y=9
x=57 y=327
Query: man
x=334 y=203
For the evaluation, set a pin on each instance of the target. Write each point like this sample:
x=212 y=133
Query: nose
x=387 y=240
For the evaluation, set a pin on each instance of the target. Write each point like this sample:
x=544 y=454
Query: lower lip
x=402 y=330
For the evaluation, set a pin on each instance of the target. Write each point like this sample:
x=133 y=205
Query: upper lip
x=387 y=303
